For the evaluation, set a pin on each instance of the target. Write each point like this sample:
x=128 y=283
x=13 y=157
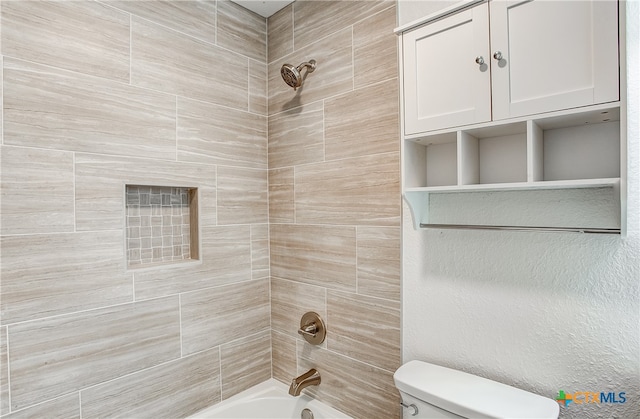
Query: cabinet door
x=443 y=84
x=555 y=55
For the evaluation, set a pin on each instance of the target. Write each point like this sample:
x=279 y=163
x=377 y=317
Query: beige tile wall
x=97 y=95
x=334 y=200
x=299 y=204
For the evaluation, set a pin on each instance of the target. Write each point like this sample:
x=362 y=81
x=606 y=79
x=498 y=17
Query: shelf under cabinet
x=585 y=205
x=521 y=186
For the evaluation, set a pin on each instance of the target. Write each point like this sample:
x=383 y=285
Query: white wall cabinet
x=555 y=55
x=504 y=59
x=443 y=85
x=514 y=96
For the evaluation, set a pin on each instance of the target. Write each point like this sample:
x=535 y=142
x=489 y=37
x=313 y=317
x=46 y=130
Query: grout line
x=241 y=338
x=334 y=225
x=80 y=403
x=175 y=121
x=206 y=41
x=269 y=255
x=217 y=207
x=338 y=290
x=215 y=42
x=248 y=84
x=293 y=29
x=295 y=212
x=266 y=39
x=338 y=160
x=75 y=217
x=94 y=309
x=324 y=131
x=130 y=49
x=161 y=364
x=340 y=354
x=2 y=101
x=353 y=61
x=319 y=39
x=133 y=287
x=180 y=325
x=6 y=336
x=270 y=328
x=337 y=95
x=60 y=233
x=220 y=369
x=356 y=262
x=127 y=84
x=40 y=403
x=326 y=312
x=251 y=250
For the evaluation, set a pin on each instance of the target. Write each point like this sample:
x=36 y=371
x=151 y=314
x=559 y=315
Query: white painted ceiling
x=263 y=7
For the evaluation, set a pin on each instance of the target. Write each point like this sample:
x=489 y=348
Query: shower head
x=293 y=75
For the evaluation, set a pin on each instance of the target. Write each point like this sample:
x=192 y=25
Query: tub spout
x=309 y=378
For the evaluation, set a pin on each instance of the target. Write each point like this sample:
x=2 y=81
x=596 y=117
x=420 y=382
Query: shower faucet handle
x=308 y=330
x=312 y=328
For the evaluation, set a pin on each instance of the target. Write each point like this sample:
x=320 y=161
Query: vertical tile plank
x=379 y=262
x=284 y=358
x=281 y=204
x=259 y=251
x=348 y=122
x=347 y=379
x=242 y=196
x=290 y=300
x=297 y=136
x=242 y=30
x=280 y=26
x=258 y=87
x=375 y=49
x=364 y=328
x=357 y=191
x=245 y=363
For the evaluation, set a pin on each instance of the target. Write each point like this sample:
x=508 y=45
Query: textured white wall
x=540 y=311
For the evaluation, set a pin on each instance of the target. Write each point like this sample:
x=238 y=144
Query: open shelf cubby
x=572 y=149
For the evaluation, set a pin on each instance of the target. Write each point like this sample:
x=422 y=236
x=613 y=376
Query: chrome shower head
x=293 y=75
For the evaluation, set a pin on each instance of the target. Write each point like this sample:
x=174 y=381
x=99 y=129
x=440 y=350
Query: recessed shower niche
x=161 y=225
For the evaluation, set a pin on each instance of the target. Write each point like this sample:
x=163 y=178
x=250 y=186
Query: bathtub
x=268 y=400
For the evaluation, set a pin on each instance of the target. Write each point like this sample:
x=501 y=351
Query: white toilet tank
x=439 y=392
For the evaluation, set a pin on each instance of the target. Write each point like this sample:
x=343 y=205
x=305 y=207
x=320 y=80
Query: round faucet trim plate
x=312 y=328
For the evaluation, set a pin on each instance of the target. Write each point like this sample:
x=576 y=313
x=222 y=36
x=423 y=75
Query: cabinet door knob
x=479 y=60
x=497 y=55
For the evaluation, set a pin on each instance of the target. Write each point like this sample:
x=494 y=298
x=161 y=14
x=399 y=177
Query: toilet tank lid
x=469 y=395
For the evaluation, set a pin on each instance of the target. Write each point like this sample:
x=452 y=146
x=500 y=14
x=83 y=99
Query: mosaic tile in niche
x=161 y=224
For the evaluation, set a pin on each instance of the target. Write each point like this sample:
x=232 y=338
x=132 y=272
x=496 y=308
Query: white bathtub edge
x=268 y=388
